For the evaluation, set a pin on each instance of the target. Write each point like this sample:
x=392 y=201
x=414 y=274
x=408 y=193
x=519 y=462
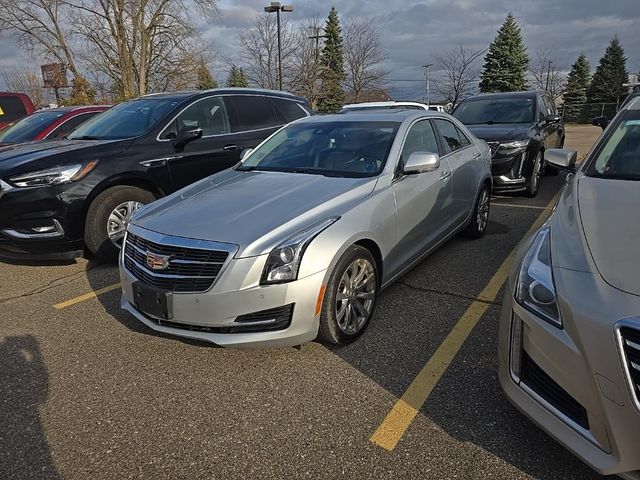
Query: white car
x=352 y=107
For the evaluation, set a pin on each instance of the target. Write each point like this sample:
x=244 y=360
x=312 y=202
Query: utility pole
x=316 y=36
x=546 y=88
x=277 y=8
x=427 y=74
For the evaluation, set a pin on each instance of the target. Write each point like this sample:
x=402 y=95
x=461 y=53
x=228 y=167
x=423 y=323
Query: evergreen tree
x=506 y=62
x=575 y=95
x=237 y=77
x=606 y=84
x=332 y=68
x=204 y=79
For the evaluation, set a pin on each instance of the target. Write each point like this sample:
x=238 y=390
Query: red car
x=14 y=106
x=50 y=124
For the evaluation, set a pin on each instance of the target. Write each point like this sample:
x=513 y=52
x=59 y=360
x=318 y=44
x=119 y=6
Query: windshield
x=344 y=149
x=26 y=129
x=619 y=157
x=126 y=120
x=496 y=110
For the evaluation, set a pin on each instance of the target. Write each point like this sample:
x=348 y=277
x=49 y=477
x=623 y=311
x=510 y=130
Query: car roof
x=73 y=108
x=391 y=103
x=526 y=94
x=375 y=115
x=226 y=90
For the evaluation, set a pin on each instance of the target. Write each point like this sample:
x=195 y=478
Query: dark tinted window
x=464 y=140
x=209 y=114
x=253 y=112
x=11 y=108
x=619 y=157
x=449 y=135
x=70 y=125
x=496 y=110
x=26 y=129
x=419 y=139
x=289 y=110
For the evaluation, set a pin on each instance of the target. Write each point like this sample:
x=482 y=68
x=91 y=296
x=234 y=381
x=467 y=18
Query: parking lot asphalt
x=87 y=392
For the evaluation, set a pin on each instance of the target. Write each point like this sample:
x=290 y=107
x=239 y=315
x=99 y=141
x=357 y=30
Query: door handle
x=477 y=155
x=230 y=148
x=444 y=175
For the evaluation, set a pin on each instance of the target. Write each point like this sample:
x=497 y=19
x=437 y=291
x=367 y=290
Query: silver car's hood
x=255 y=210
x=609 y=210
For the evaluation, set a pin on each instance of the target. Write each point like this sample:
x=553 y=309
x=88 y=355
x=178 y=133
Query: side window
x=69 y=126
x=209 y=114
x=419 y=139
x=464 y=140
x=253 y=112
x=449 y=135
x=288 y=109
x=551 y=106
x=11 y=108
x=542 y=108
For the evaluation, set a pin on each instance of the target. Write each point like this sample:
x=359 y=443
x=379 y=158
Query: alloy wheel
x=118 y=221
x=482 y=218
x=537 y=172
x=355 y=296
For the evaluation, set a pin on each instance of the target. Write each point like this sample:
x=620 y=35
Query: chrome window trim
x=633 y=323
x=158 y=139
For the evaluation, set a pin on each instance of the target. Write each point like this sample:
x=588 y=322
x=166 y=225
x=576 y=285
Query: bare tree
x=259 y=51
x=460 y=73
x=24 y=80
x=546 y=76
x=305 y=63
x=362 y=56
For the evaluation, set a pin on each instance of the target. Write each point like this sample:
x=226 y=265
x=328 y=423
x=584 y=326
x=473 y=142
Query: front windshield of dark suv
x=619 y=157
x=126 y=120
x=494 y=110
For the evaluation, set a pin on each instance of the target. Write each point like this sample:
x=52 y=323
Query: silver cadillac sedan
x=297 y=240
x=569 y=340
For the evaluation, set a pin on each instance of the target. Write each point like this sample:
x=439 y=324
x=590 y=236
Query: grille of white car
x=186 y=269
x=630 y=344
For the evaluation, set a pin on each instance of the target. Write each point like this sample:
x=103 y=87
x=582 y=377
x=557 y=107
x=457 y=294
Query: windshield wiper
x=246 y=169
x=87 y=137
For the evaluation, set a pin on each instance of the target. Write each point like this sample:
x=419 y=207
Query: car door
x=213 y=152
x=253 y=119
x=466 y=168
x=422 y=200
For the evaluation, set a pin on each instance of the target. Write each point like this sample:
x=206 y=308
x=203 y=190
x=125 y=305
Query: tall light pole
x=277 y=8
x=546 y=88
x=427 y=74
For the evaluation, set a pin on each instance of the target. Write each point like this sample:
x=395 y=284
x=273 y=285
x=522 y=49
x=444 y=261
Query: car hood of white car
x=611 y=223
x=255 y=210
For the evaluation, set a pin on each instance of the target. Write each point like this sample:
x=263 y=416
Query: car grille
x=281 y=317
x=631 y=350
x=494 y=146
x=541 y=383
x=188 y=269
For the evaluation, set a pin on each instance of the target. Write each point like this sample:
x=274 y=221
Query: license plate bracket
x=152 y=301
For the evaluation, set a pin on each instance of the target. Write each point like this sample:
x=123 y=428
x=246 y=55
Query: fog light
x=47 y=229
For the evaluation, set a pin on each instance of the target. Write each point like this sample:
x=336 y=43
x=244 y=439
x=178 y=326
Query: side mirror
x=552 y=118
x=185 y=136
x=561 y=158
x=602 y=122
x=245 y=152
x=421 y=162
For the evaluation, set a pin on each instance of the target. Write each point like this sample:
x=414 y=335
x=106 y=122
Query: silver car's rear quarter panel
x=584 y=359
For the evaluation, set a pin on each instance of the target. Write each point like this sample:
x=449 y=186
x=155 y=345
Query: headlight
x=535 y=290
x=283 y=262
x=53 y=176
x=515 y=144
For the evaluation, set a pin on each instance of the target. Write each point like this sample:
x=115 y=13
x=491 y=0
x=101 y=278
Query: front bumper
x=237 y=292
x=508 y=170
x=584 y=371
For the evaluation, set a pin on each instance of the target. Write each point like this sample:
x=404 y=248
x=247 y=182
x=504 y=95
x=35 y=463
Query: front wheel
x=480 y=216
x=533 y=181
x=350 y=297
x=108 y=216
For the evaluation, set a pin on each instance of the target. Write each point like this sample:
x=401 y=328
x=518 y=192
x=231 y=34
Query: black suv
x=519 y=127
x=58 y=197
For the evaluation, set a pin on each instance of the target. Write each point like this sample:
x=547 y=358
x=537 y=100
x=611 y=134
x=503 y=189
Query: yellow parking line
x=86 y=296
x=407 y=407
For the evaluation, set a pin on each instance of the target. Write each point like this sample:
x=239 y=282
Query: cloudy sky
x=415 y=30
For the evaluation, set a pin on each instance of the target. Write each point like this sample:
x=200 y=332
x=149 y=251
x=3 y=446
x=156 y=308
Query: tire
x=480 y=216
x=533 y=181
x=340 y=329
x=98 y=222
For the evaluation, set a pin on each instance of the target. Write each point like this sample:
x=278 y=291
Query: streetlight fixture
x=277 y=8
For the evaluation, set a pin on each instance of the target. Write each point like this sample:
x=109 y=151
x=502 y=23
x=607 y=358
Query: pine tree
x=575 y=95
x=606 y=84
x=237 y=77
x=506 y=62
x=332 y=68
x=205 y=80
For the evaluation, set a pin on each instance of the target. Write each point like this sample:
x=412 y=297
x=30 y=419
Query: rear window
x=253 y=112
x=289 y=110
x=11 y=108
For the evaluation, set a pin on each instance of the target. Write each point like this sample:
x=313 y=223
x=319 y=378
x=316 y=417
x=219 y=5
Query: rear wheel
x=533 y=182
x=108 y=216
x=480 y=216
x=350 y=298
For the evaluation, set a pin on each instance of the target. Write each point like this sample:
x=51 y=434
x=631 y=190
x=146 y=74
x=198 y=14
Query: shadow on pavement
x=24 y=453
